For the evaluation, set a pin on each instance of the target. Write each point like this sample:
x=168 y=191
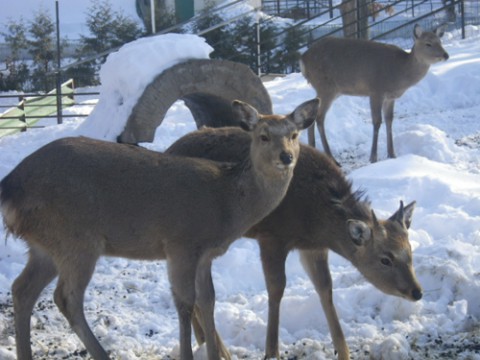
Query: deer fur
x=319 y=213
x=383 y=72
x=77 y=199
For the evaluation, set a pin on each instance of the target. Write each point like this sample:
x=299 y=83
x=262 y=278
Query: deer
x=77 y=199
x=319 y=213
x=383 y=72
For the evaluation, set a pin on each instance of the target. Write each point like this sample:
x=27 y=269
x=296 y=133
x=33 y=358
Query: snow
x=437 y=138
x=128 y=71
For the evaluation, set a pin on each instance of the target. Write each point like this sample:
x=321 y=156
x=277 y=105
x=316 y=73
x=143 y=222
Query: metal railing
x=33 y=107
x=389 y=20
x=397 y=25
x=321 y=18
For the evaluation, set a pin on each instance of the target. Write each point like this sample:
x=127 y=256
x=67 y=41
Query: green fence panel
x=31 y=110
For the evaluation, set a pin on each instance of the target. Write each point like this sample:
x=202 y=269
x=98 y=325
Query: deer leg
x=388 y=114
x=74 y=275
x=273 y=262
x=321 y=114
x=376 y=111
x=181 y=273
x=315 y=264
x=37 y=274
x=197 y=326
x=205 y=303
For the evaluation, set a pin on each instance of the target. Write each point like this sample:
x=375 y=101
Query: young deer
x=336 y=66
x=319 y=213
x=77 y=199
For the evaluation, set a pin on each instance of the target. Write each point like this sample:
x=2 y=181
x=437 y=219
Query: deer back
x=348 y=66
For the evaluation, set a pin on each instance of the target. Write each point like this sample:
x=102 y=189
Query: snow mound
x=126 y=74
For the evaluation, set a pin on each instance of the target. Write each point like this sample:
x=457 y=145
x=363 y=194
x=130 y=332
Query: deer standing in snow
x=319 y=213
x=383 y=72
x=77 y=199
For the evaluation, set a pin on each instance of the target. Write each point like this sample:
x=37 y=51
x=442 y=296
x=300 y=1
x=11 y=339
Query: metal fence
x=25 y=110
x=389 y=20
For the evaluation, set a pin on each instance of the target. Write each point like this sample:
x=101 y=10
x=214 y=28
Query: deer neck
x=417 y=67
x=267 y=187
x=341 y=242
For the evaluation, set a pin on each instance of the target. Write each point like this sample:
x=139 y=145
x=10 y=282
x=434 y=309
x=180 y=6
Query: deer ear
x=417 y=31
x=404 y=214
x=305 y=114
x=439 y=31
x=408 y=214
x=359 y=232
x=246 y=114
x=375 y=220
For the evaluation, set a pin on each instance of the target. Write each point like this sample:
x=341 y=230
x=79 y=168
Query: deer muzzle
x=417 y=294
x=286 y=158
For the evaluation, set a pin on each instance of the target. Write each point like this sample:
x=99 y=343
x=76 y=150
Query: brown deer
x=77 y=199
x=383 y=72
x=319 y=213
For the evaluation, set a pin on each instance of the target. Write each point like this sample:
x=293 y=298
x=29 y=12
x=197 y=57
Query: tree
x=164 y=17
x=216 y=38
x=286 y=59
x=42 y=48
x=355 y=21
x=124 y=30
x=17 y=72
x=245 y=42
x=109 y=29
x=268 y=43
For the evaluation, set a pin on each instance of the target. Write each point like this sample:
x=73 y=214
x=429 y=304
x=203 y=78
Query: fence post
x=22 y=118
x=257 y=25
x=58 y=73
x=59 y=97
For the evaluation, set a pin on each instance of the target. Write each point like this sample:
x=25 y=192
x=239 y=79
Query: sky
x=437 y=139
x=72 y=13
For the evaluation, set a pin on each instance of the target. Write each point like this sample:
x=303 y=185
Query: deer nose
x=417 y=294
x=445 y=56
x=286 y=158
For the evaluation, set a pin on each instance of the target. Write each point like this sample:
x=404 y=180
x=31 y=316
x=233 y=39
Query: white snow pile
x=437 y=137
x=127 y=72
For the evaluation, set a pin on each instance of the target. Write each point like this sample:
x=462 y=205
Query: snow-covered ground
x=437 y=139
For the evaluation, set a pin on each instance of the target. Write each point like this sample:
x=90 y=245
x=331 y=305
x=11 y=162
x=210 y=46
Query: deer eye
x=294 y=136
x=264 y=138
x=386 y=261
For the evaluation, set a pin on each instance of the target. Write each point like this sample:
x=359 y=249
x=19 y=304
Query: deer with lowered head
x=383 y=72
x=77 y=199
x=319 y=213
